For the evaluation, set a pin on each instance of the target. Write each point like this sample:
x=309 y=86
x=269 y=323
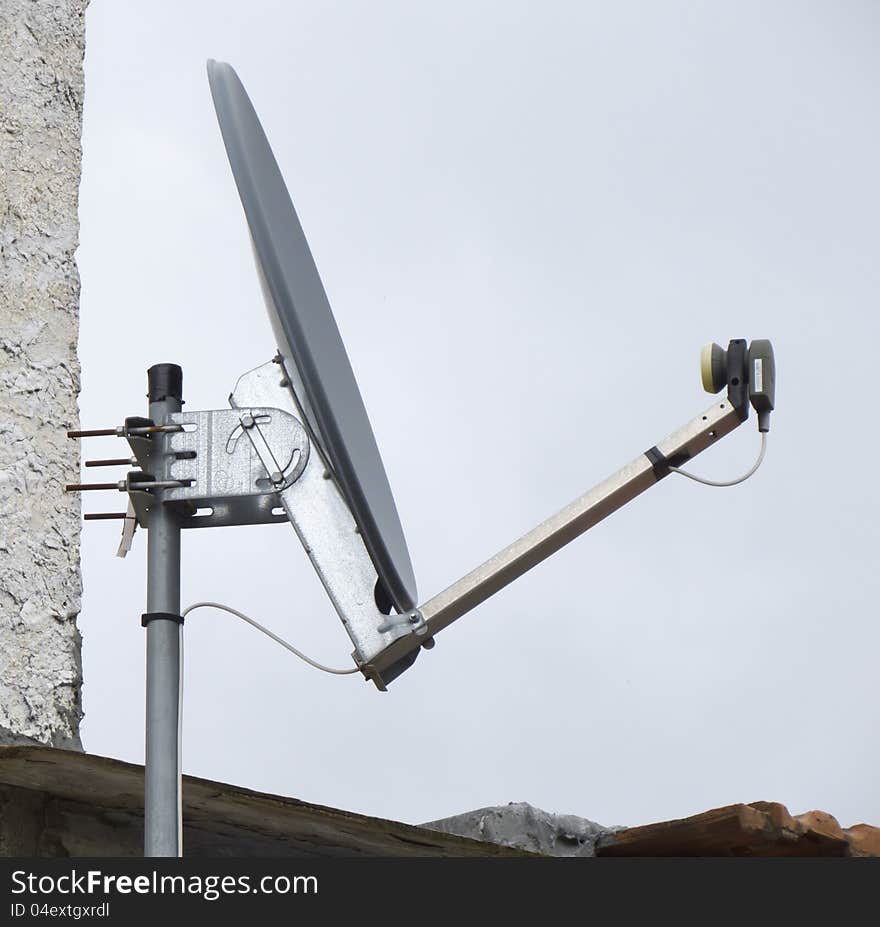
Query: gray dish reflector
x=308 y=338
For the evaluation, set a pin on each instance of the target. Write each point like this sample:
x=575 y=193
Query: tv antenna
x=296 y=446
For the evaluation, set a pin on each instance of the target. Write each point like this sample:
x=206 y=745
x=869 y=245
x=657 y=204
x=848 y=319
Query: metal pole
x=162 y=800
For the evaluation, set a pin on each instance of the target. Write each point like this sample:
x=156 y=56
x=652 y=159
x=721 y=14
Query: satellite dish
x=297 y=446
x=308 y=340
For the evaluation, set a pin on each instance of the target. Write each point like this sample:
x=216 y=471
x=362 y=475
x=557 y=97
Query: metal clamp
x=413 y=621
x=153 y=616
x=219 y=468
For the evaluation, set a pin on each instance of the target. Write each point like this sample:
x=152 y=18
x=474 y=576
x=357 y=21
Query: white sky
x=528 y=218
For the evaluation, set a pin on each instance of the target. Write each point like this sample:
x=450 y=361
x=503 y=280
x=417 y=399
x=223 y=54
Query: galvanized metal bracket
x=320 y=515
x=222 y=467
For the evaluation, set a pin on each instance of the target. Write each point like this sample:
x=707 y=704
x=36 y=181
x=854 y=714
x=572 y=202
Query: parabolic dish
x=308 y=338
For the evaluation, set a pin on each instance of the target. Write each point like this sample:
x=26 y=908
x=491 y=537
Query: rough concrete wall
x=41 y=100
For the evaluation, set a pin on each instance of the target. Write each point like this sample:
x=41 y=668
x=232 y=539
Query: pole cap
x=165 y=381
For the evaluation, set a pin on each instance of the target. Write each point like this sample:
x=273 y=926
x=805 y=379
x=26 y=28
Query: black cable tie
x=659 y=463
x=168 y=616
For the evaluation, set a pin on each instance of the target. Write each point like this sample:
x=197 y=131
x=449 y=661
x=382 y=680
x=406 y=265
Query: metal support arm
x=548 y=537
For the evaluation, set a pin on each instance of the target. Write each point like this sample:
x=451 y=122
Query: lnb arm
x=579 y=516
x=748 y=372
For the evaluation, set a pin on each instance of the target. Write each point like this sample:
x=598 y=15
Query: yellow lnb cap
x=713 y=368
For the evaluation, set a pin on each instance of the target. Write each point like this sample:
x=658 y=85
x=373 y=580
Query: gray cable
x=741 y=479
x=268 y=633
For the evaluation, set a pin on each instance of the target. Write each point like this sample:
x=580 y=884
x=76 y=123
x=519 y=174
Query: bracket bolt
x=247 y=421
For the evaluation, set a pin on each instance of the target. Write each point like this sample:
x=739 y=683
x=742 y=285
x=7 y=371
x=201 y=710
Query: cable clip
x=152 y=616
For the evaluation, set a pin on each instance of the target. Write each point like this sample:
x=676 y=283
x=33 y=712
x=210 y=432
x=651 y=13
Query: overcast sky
x=528 y=218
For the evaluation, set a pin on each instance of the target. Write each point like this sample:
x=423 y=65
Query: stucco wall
x=41 y=100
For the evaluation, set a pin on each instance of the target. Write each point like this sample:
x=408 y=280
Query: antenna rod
x=121 y=431
x=162 y=798
x=93 y=433
x=115 y=462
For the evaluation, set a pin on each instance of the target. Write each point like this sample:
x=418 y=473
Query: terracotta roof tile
x=761 y=828
x=864 y=840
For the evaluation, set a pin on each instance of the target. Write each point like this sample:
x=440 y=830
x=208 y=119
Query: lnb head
x=748 y=372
